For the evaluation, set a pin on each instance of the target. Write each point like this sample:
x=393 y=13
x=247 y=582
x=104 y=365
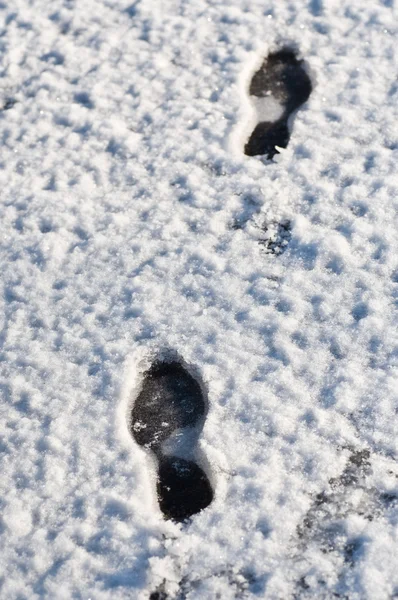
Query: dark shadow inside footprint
x=167 y=418
x=183 y=488
x=280 y=86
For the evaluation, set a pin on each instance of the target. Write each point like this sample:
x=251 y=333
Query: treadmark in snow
x=167 y=417
x=277 y=89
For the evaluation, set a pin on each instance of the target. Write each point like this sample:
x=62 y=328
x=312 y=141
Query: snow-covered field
x=132 y=223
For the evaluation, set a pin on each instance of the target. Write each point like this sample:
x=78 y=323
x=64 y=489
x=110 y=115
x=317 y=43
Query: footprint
x=328 y=504
x=277 y=90
x=327 y=528
x=167 y=418
x=277 y=237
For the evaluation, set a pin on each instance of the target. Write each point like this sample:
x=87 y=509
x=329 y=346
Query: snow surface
x=132 y=222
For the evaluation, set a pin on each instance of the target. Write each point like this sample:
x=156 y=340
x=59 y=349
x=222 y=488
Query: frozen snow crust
x=132 y=223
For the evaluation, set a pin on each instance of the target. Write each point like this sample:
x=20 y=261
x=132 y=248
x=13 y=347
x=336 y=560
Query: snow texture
x=132 y=225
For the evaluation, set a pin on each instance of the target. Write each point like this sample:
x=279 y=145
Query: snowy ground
x=132 y=222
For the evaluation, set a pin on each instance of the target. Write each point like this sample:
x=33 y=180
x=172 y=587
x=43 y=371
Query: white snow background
x=131 y=221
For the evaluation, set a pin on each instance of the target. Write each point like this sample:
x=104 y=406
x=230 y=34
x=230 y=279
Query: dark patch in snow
x=132 y=9
x=283 y=78
x=84 y=99
x=325 y=526
x=53 y=57
x=158 y=595
x=171 y=407
x=8 y=103
x=242 y=582
x=316 y=7
x=360 y=311
x=277 y=237
x=45 y=226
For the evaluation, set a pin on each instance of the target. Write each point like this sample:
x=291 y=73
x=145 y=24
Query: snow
x=131 y=223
